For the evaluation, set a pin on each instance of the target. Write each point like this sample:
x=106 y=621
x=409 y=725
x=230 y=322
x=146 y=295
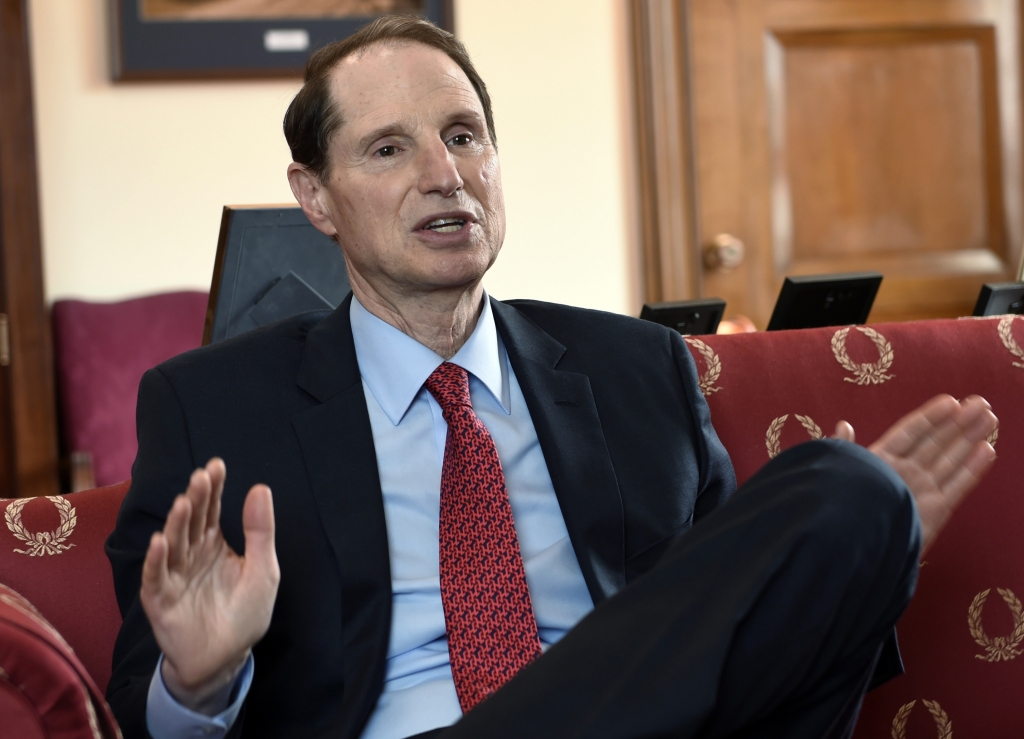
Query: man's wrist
x=208 y=698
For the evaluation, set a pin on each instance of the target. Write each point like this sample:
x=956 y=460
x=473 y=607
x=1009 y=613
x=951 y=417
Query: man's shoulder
x=262 y=349
x=571 y=325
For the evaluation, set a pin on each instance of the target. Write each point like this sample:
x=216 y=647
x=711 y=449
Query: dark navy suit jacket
x=619 y=415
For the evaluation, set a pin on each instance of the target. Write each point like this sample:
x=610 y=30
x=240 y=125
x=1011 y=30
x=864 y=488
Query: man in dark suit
x=762 y=617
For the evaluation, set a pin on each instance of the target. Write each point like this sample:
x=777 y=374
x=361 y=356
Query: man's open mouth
x=445 y=225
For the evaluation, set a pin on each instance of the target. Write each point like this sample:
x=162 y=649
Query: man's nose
x=439 y=171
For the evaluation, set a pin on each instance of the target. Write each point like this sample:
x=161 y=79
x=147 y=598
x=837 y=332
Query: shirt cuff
x=168 y=719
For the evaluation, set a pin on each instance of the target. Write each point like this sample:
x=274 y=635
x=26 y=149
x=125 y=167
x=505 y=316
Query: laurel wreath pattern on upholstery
x=43 y=542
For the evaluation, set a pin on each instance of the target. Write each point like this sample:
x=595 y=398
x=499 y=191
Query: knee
x=859 y=499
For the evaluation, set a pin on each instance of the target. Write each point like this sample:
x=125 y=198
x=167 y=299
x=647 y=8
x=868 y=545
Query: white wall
x=133 y=175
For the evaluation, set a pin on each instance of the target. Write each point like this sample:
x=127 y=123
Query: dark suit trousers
x=764 y=620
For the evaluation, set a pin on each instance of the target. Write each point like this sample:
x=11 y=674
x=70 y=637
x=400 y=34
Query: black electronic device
x=811 y=301
x=271 y=264
x=688 y=317
x=1000 y=298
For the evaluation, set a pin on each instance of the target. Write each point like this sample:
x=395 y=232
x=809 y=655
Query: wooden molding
x=28 y=437
x=664 y=150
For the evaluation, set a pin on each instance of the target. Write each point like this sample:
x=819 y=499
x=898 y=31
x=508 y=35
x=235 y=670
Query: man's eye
x=387 y=151
x=461 y=139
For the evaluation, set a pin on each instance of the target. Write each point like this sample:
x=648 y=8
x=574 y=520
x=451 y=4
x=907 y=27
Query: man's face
x=414 y=187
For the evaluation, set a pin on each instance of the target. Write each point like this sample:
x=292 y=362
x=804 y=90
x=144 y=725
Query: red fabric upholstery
x=44 y=690
x=810 y=377
x=63 y=570
x=102 y=351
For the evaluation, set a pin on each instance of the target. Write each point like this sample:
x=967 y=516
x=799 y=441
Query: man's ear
x=309 y=191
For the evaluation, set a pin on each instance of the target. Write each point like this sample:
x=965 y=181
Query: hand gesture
x=940 y=451
x=207 y=605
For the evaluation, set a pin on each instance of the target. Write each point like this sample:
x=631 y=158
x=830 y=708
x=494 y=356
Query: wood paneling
x=840 y=135
x=28 y=427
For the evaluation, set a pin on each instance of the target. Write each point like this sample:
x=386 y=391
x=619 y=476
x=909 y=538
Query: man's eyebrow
x=467 y=114
x=387 y=129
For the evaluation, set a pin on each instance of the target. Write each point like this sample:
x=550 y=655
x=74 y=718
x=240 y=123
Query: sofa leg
x=82 y=477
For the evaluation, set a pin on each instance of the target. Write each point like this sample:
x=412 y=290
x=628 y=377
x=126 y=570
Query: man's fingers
x=217 y=471
x=154 y=568
x=954 y=439
x=926 y=432
x=969 y=472
x=199 y=494
x=258 y=524
x=844 y=431
x=979 y=420
x=176 y=531
x=969 y=440
x=918 y=426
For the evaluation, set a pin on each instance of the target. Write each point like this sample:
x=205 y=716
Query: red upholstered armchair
x=101 y=352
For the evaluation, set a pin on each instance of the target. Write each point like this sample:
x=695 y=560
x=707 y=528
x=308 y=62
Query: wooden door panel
x=839 y=135
x=882 y=144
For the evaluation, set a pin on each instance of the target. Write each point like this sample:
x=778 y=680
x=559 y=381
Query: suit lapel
x=568 y=427
x=337 y=448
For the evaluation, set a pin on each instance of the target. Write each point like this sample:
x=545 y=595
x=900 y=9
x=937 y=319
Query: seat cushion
x=45 y=691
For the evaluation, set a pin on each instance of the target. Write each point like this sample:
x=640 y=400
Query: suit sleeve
x=161 y=471
x=717 y=478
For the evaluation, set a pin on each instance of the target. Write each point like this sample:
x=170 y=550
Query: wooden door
x=28 y=419
x=832 y=136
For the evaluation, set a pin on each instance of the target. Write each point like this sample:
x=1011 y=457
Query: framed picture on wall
x=225 y=39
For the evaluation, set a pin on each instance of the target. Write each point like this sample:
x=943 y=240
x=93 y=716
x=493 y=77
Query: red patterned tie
x=492 y=632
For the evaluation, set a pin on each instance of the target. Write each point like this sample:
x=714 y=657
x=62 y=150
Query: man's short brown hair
x=313 y=115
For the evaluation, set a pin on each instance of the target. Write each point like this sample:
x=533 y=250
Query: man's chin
x=457 y=272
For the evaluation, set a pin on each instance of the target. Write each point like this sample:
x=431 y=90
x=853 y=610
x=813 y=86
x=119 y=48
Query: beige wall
x=133 y=176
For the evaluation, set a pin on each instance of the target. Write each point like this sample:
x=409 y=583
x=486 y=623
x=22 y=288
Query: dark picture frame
x=171 y=49
x=688 y=317
x=813 y=301
x=1000 y=298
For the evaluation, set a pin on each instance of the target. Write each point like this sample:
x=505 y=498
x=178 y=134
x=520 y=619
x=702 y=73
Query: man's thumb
x=258 y=524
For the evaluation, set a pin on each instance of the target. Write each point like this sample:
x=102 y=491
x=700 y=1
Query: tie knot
x=449 y=384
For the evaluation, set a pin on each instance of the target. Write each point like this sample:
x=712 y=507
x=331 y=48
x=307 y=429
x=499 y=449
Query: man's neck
x=441 y=321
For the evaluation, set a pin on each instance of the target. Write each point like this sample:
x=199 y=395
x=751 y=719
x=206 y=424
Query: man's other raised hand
x=207 y=605
x=941 y=452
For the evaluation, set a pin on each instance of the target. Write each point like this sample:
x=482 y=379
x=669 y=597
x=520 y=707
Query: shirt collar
x=394 y=365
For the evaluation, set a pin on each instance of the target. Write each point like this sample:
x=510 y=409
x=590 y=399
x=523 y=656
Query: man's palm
x=207 y=605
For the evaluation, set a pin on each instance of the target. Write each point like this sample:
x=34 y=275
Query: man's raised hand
x=941 y=452
x=207 y=605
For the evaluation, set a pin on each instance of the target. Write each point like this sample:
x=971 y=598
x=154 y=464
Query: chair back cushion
x=962 y=638
x=51 y=551
x=101 y=351
x=45 y=691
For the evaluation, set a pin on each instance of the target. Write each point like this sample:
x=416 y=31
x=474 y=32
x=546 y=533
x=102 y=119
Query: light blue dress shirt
x=409 y=437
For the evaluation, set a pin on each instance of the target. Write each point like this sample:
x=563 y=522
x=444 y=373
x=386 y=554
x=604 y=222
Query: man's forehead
x=395 y=69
